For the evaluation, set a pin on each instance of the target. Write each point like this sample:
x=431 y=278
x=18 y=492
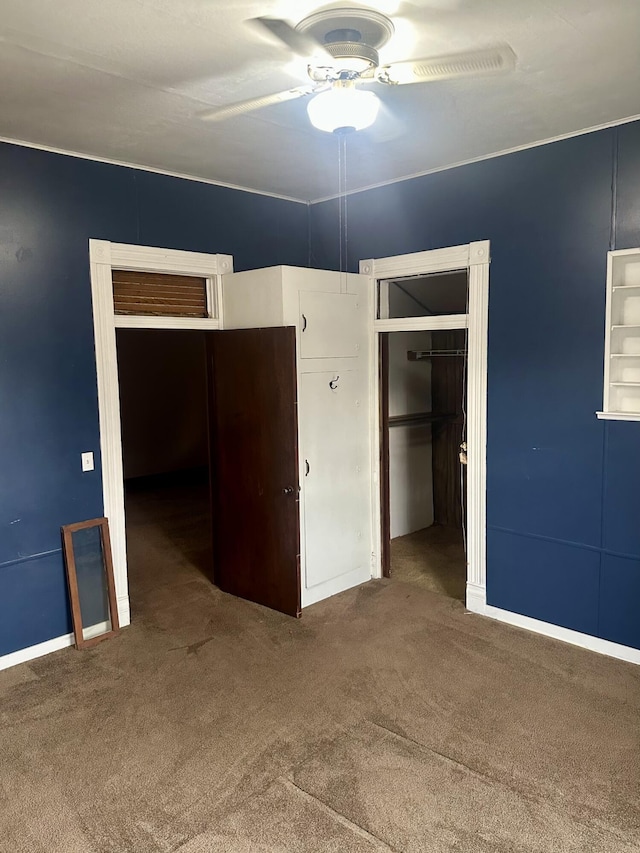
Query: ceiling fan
x=341 y=46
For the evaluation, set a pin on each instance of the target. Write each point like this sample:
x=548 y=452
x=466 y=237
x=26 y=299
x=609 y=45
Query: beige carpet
x=433 y=558
x=386 y=719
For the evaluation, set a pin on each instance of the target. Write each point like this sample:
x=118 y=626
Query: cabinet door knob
x=288 y=490
x=304 y=323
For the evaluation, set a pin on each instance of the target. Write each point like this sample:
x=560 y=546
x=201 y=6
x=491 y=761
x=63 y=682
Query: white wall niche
x=621 y=394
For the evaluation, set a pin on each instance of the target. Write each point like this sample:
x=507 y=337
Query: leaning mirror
x=87 y=551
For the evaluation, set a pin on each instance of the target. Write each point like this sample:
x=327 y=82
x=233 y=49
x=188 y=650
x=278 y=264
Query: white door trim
x=421 y=324
x=104 y=257
x=476 y=258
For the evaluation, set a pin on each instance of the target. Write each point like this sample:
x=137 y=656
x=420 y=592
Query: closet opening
x=423 y=393
x=163 y=410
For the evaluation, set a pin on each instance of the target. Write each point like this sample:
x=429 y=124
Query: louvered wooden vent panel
x=159 y=294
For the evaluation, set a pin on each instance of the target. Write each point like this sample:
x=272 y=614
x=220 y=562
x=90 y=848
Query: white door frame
x=104 y=257
x=476 y=258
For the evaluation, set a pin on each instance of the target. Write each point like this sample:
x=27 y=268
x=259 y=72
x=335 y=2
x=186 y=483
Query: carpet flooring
x=385 y=719
x=433 y=558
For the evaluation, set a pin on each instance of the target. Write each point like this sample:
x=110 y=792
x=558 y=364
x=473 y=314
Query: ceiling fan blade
x=300 y=43
x=469 y=64
x=242 y=107
x=420 y=7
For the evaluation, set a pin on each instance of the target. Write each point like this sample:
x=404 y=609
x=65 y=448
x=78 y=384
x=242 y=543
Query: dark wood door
x=385 y=491
x=254 y=465
x=448 y=393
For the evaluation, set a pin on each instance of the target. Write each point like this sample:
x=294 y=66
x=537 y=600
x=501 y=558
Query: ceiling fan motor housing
x=351 y=36
x=354 y=55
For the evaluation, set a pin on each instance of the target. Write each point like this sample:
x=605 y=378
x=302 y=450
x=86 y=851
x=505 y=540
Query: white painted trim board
x=23 y=143
x=94 y=158
x=525 y=147
x=476 y=258
x=37 y=651
x=477 y=604
x=104 y=257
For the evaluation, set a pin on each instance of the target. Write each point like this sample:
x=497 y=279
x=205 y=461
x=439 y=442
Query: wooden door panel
x=254 y=464
x=448 y=392
x=385 y=490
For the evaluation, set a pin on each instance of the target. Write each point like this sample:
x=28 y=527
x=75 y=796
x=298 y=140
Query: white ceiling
x=125 y=79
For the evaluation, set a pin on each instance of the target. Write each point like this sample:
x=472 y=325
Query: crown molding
x=110 y=162
x=502 y=153
x=307 y=202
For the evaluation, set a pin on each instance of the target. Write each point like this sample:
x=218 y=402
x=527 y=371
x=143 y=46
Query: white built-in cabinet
x=622 y=337
x=332 y=317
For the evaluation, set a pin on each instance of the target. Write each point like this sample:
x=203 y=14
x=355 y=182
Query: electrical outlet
x=87 y=461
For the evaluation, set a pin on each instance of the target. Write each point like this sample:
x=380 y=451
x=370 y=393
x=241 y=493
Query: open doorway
x=423 y=428
x=163 y=410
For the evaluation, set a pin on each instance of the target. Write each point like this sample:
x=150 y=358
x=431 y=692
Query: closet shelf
x=419 y=355
x=420 y=418
x=621 y=387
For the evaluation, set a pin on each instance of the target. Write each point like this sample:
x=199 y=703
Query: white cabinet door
x=332 y=325
x=334 y=434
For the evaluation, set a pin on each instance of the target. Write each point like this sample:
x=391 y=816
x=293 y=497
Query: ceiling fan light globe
x=343 y=108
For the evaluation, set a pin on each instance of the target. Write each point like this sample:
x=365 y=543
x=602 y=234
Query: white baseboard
x=476 y=598
x=124 y=611
x=63 y=642
x=336 y=585
x=476 y=603
x=33 y=652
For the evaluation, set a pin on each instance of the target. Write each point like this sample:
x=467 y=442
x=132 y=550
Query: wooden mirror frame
x=72 y=578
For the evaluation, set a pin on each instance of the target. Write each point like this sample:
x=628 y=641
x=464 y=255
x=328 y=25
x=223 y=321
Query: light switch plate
x=87 y=461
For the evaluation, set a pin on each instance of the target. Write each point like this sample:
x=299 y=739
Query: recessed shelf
x=618 y=416
x=622 y=338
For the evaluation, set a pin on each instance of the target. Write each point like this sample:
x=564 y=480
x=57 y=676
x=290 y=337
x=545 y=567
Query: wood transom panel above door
x=159 y=294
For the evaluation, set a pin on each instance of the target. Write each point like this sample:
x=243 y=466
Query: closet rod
x=418 y=418
x=418 y=355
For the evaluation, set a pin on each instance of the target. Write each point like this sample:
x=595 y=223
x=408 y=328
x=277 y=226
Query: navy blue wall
x=50 y=205
x=563 y=507
x=563 y=537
